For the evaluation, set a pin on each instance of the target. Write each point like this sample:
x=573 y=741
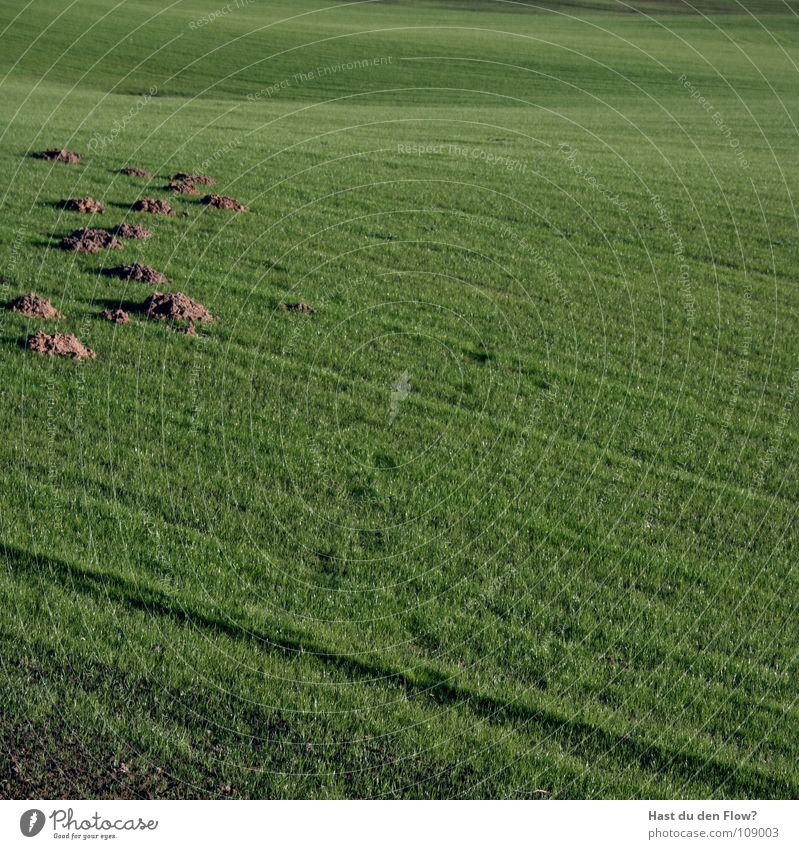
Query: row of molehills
x=174 y=306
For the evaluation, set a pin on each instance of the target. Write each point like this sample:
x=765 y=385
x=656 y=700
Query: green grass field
x=562 y=563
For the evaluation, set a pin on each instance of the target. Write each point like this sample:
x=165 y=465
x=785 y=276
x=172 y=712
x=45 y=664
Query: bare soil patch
x=135 y=172
x=222 y=202
x=34 y=306
x=181 y=188
x=90 y=241
x=155 y=206
x=57 y=154
x=175 y=306
x=116 y=316
x=138 y=272
x=300 y=306
x=82 y=205
x=59 y=344
x=131 y=231
x=201 y=179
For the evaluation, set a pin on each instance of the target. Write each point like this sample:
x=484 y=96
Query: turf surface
x=513 y=513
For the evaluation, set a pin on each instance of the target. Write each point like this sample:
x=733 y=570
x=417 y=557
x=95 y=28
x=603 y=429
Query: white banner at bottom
x=401 y=824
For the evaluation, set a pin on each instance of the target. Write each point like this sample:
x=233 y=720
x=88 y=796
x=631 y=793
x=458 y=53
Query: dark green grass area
x=563 y=564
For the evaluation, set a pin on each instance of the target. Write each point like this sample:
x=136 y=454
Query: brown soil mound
x=202 y=179
x=82 y=205
x=117 y=316
x=35 y=306
x=57 y=154
x=175 y=305
x=135 y=172
x=181 y=188
x=61 y=344
x=156 y=206
x=299 y=307
x=138 y=272
x=222 y=202
x=131 y=231
x=90 y=241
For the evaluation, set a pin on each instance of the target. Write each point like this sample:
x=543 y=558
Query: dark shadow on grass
x=13 y=341
x=481 y=356
x=63 y=206
x=118 y=304
x=578 y=737
x=51 y=757
x=39 y=154
x=137 y=180
x=54 y=239
x=385 y=462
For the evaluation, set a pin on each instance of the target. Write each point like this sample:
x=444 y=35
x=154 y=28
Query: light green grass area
x=563 y=564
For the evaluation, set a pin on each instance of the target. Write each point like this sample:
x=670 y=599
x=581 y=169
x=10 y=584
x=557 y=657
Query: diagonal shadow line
x=578 y=737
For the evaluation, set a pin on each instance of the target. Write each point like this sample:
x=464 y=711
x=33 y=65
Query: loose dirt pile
x=90 y=241
x=202 y=179
x=299 y=307
x=176 y=306
x=155 y=206
x=181 y=188
x=116 y=316
x=82 y=205
x=57 y=154
x=138 y=272
x=222 y=202
x=60 y=344
x=34 y=306
x=131 y=231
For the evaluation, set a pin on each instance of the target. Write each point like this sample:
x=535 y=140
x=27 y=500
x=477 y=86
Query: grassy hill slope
x=563 y=563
